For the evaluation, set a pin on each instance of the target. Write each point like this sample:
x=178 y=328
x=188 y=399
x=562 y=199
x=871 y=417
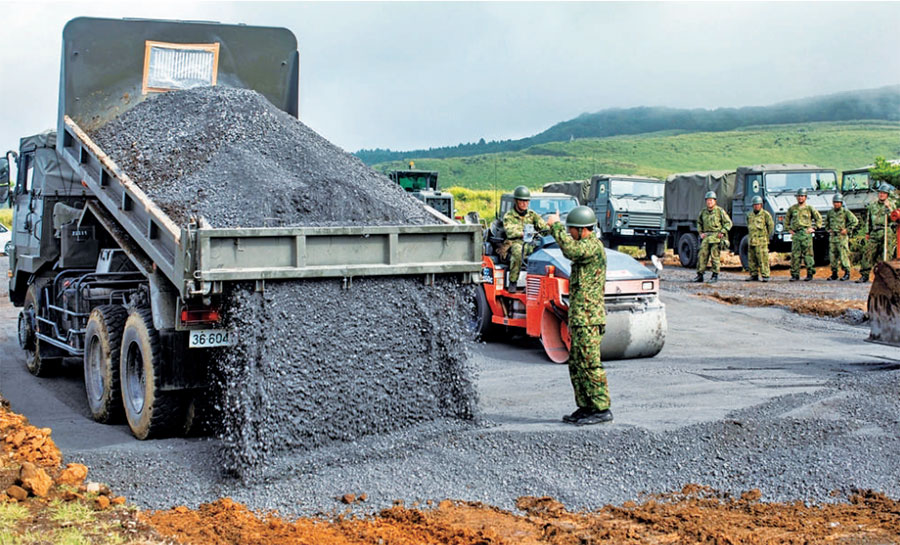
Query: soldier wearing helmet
x=587 y=314
x=713 y=224
x=840 y=223
x=760 y=227
x=877 y=235
x=520 y=225
x=802 y=221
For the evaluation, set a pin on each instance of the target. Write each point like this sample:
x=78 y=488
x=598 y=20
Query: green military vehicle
x=423 y=185
x=858 y=189
x=735 y=189
x=629 y=209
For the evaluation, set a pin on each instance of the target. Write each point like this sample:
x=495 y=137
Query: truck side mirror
x=4 y=179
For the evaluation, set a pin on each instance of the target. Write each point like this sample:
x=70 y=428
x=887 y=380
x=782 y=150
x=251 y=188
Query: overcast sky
x=415 y=74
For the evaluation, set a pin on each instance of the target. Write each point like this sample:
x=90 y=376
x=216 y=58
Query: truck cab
x=630 y=209
x=778 y=186
x=423 y=185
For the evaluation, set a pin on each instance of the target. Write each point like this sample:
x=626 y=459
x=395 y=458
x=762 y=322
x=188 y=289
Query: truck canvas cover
x=685 y=192
x=580 y=189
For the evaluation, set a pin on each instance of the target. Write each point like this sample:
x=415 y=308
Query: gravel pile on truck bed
x=232 y=157
x=314 y=362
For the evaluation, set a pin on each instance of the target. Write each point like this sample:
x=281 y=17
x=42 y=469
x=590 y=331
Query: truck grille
x=644 y=220
x=533 y=286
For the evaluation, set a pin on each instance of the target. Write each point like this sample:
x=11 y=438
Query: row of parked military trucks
x=651 y=213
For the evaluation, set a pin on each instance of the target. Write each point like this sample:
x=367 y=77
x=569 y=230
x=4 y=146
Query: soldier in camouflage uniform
x=802 y=221
x=713 y=225
x=876 y=236
x=760 y=227
x=520 y=224
x=587 y=314
x=839 y=222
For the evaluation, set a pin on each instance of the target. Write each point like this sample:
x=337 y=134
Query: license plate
x=208 y=338
x=627 y=231
x=787 y=237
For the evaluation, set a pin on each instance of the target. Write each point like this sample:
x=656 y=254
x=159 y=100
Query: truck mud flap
x=884 y=304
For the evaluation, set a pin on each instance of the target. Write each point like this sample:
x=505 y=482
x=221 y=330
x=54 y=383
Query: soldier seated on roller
x=521 y=225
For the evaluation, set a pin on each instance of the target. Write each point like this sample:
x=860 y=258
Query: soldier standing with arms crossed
x=839 y=222
x=760 y=227
x=802 y=220
x=587 y=314
x=520 y=224
x=876 y=214
x=713 y=225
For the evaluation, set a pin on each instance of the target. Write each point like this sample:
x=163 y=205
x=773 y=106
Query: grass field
x=836 y=145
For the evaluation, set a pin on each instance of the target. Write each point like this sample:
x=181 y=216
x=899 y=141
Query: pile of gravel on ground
x=233 y=158
x=318 y=363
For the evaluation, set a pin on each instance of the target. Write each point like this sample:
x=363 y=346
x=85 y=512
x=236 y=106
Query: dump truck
x=629 y=209
x=103 y=274
x=636 y=323
x=423 y=185
x=777 y=184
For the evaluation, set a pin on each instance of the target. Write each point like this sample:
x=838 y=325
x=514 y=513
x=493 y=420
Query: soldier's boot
x=753 y=278
x=714 y=278
x=809 y=276
x=765 y=278
x=795 y=278
x=595 y=417
x=833 y=276
x=699 y=277
x=846 y=276
x=864 y=277
x=579 y=413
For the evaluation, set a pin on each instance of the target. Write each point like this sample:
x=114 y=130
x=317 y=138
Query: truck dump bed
x=195 y=257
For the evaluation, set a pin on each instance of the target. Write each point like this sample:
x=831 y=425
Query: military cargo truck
x=857 y=189
x=776 y=184
x=423 y=185
x=102 y=273
x=629 y=209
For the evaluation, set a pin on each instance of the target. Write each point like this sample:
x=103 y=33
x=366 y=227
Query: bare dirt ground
x=845 y=300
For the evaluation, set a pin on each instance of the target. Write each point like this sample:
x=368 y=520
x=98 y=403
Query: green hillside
x=840 y=145
x=882 y=104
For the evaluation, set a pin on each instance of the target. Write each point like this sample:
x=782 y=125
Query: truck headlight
x=779 y=228
x=619 y=222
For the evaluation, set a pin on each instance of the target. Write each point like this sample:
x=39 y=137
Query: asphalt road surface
x=718 y=361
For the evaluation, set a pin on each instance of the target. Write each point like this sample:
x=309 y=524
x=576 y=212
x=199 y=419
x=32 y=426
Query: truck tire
x=656 y=248
x=688 y=250
x=41 y=360
x=481 y=321
x=150 y=411
x=102 y=344
x=744 y=252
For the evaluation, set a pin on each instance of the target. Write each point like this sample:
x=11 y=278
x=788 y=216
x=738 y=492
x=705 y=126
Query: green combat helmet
x=757 y=200
x=801 y=191
x=521 y=193
x=837 y=198
x=885 y=188
x=710 y=195
x=581 y=216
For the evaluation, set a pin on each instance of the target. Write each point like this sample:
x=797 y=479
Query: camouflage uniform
x=873 y=251
x=514 y=245
x=837 y=220
x=760 y=227
x=587 y=317
x=799 y=219
x=712 y=222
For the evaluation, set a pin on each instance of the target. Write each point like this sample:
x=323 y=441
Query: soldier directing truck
x=777 y=185
x=629 y=209
x=102 y=273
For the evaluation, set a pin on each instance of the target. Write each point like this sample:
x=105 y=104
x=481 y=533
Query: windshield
x=858 y=180
x=792 y=181
x=549 y=206
x=618 y=188
x=415 y=182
